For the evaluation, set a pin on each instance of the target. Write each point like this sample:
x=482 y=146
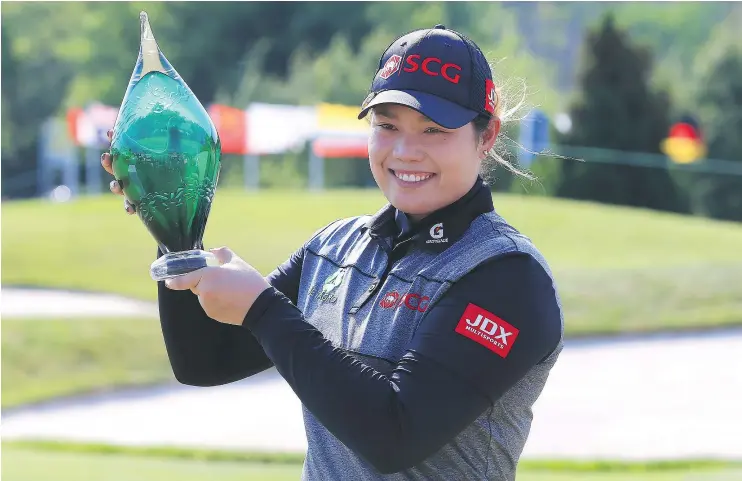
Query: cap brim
x=443 y=112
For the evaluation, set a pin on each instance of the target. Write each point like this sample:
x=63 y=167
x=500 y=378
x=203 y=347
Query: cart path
x=651 y=397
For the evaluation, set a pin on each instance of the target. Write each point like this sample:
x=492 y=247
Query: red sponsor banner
x=231 y=124
x=88 y=127
x=338 y=147
x=73 y=118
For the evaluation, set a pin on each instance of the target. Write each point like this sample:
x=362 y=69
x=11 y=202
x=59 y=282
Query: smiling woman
x=434 y=318
x=422 y=156
x=418 y=164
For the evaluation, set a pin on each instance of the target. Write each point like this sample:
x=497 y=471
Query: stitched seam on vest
x=500 y=232
x=490 y=451
x=340 y=266
x=322 y=231
x=335 y=226
x=506 y=442
x=418 y=276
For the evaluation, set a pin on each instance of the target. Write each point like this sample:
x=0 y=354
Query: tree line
x=624 y=72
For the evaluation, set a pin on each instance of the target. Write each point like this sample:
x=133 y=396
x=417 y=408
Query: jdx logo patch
x=487 y=329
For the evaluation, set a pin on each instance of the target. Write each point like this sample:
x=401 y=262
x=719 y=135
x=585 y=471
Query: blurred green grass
x=618 y=269
x=24 y=462
x=48 y=358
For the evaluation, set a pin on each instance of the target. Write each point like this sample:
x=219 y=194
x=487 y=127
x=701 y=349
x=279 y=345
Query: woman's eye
x=386 y=126
x=433 y=130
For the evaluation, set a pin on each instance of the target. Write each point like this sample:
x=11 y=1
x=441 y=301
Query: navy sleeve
x=285 y=278
x=494 y=325
x=204 y=352
x=433 y=393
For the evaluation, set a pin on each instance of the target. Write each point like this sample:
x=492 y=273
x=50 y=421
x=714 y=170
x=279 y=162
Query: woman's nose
x=407 y=149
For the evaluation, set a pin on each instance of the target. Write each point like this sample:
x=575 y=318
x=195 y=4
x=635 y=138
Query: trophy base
x=174 y=264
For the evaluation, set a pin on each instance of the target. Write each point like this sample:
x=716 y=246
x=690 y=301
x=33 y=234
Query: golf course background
x=619 y=271
x=633 y=103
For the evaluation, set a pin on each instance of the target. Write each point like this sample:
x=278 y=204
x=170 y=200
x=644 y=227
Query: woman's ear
x=489 y=136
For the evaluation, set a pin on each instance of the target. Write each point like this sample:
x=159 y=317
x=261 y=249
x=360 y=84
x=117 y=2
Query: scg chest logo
x=412 y=301
x=487 y=329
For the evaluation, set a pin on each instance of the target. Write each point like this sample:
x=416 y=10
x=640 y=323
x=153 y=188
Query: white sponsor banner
x=97 y=119
x=273 y=128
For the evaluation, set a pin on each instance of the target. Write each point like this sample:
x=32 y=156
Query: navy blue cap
x=438 y=72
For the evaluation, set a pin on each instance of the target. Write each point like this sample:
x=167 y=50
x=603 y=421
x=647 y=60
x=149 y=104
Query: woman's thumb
x=223 y=254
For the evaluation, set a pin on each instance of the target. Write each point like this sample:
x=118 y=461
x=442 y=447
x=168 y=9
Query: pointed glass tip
x=145 y=29
x=149 y=51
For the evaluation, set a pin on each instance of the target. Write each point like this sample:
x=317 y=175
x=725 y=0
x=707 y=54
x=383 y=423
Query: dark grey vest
x=342 y=266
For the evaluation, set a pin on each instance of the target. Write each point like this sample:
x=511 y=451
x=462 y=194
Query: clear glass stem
x=174 y=264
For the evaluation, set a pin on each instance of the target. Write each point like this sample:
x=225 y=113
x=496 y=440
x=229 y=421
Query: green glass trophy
x=166 y=154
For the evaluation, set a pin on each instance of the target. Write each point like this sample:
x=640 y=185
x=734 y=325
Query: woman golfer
x=417 y=338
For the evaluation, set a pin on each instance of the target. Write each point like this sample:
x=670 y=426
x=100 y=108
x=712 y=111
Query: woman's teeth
x=412 y=177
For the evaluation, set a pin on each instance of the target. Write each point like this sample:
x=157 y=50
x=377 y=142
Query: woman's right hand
x=115 y=185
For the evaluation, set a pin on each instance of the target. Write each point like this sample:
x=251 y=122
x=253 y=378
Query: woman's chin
x=412 y=204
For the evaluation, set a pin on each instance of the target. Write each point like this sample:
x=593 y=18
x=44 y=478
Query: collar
x=438 y=230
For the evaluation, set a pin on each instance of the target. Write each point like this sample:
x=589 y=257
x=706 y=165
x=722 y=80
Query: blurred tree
x=675 y=31
x=65 y=54
x=325 y=77
x=617 y=110
x=214 y=44
x=70 y=53
x=329 y=77
x=54 y=52
x=9 y=74
x=719 y=102
x=30 y=94
x=680 y=28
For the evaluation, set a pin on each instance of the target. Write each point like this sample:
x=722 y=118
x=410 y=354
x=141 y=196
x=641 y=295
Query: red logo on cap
x=428 y=62
x=490 y=99
x=391 y=66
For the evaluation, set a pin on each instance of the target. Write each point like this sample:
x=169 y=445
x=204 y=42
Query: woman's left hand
x=226 y=292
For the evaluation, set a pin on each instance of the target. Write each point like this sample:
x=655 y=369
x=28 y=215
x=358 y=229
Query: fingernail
x=113 y=184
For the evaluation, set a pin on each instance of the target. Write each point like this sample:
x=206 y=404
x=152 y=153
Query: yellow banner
x=340 y=118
